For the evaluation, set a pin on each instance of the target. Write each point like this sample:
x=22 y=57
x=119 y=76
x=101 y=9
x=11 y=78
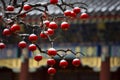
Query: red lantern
x=76 y=62
x=76 y=10
x=6 y=32
x=52 y=52
x=27 y=7
x=22 y=44
x=51 y=71
x=84 y=16
x=65 y=25
x=32 y=47
x=51 y=62
x=53 y=1
x=53 y=25
x=38 y=57
x=50 y=32
x=10 y=8
x=63 y=63
x=33 y=37
x=2 y=45
x=15 y=27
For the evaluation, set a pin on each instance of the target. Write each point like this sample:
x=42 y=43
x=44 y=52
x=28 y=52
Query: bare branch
x=43 y=9
x=21 y=6
x=10 y=2
x=4 y=4
x=69 y=50
x=39 y=48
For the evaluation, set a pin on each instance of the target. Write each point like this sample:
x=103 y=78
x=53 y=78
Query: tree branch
x=21 y=6
x=4 y=4
x=15 y=17
x=39 y=48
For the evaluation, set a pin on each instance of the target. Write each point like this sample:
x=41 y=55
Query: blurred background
x=97 y=38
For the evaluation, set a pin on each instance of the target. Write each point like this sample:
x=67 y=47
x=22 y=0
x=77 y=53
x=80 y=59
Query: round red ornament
x=22 y=44
x=15 y=27
x=76 y=10
x=10 y=8
x=51 y=71
x=53 y=1
x=38 y=57
x=53 y=25
x=84 y=16
x=51 y=62
x=65 y=25
x=43 y=35
x=27 y=7
x=50 y=32
x=2 y=45
x=76 y=62
x=46 y=22
x=6 y=32
x=33 y=37
x=51 y=52
x=63 y=63
x=67 y=13
x=73 y=14
x=32 y=47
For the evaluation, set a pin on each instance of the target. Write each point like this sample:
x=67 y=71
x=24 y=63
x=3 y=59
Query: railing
x=88 y=50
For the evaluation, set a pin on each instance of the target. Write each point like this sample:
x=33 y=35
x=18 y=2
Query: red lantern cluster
x=48 y=28
x=51 y=70
x=73 y=13
x=63 y=64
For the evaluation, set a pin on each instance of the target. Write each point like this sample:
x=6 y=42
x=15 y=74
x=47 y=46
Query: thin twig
x=37 y=6
x=14 y=3
x=21 y=6
x=65 y=51
x=4 y=4
x=10 y=2
x=39 y=48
